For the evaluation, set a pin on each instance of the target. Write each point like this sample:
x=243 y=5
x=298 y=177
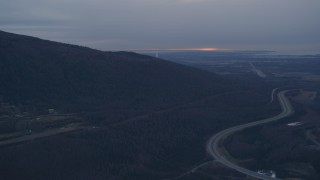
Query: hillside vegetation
x=42 y=73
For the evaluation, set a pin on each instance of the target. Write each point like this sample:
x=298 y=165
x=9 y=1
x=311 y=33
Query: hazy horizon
x=285 y=25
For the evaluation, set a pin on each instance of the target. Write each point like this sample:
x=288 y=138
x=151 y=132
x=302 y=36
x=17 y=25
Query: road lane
x=272 y=95
x=215 y=142
x=257 y=71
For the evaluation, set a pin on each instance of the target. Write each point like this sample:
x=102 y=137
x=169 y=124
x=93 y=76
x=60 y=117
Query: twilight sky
x=167 y=24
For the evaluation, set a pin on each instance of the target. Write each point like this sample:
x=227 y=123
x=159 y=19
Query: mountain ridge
x=35 y=71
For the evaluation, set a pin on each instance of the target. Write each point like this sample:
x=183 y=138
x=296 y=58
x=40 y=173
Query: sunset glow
x=197 y=49
x=182 y=49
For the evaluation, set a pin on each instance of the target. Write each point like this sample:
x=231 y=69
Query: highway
x=272 y=95
x=258 y=71
x=216 y=141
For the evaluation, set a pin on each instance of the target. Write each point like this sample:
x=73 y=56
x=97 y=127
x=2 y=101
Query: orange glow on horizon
x=196 y=49
x=184 y=49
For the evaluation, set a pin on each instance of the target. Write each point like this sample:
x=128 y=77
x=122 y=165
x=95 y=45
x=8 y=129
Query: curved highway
x=272 y=95
x=215 y=142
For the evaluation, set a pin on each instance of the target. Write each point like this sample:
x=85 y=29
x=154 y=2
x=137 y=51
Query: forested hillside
x=42 y=73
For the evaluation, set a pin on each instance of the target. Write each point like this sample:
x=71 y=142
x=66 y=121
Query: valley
x=70 y=112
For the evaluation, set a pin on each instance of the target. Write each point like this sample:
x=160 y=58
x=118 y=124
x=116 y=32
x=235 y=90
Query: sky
x=168 y=24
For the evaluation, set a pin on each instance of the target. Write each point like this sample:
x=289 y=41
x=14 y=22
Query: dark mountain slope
x=126 y=136
x=38 y=72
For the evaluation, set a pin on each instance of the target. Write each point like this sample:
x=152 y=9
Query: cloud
x=193 y=1
x=133 y=24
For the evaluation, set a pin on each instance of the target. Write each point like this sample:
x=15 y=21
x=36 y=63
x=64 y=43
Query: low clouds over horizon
x=152 y=24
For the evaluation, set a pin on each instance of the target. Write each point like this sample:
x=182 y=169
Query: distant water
x=256 y=53
x=301 y=52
